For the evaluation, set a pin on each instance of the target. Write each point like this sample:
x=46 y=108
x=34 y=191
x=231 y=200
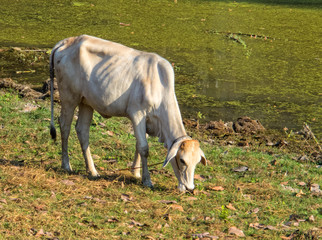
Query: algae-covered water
x=260 y=58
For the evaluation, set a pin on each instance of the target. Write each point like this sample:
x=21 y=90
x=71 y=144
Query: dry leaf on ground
x=199 y=177
x=236 y=231
x=68 y=182
x=126 y=197
x=168 y=201
x=231 y=207
x=177 y=207
x=261 y=226
x=216 y=188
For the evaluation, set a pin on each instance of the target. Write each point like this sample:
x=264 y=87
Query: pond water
x=260 y=58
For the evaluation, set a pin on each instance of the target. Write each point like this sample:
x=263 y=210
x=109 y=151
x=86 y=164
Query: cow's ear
x=172 y=153
x=203 y=158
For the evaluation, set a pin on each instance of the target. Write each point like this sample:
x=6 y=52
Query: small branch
x=311 y=134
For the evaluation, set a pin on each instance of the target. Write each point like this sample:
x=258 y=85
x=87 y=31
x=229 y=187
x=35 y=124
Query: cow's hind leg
x=82 y=128
x=66 y=118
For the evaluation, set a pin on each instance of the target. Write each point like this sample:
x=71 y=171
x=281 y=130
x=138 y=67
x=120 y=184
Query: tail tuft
x=53 y=132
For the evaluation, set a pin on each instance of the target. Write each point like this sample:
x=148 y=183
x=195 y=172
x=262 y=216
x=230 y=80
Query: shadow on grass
x=113 y=177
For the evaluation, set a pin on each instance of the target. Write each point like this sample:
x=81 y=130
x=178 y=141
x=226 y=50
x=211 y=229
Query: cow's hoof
x=148 y=183
x=94 y=175
x=136 y=174
x=181 y=187
x=67 y=168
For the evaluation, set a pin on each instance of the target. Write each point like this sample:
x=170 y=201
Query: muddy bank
x=28 y=92
x=243 y=132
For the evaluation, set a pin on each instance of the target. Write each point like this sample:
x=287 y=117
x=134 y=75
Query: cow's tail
x=52 y=75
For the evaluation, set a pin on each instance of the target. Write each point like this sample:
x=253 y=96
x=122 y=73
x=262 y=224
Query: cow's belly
x=108 y=101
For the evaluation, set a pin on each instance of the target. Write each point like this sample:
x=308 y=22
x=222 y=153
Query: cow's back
x=110 y=77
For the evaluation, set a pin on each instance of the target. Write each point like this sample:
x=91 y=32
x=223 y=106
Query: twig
x=308 y=129
x=241 y=34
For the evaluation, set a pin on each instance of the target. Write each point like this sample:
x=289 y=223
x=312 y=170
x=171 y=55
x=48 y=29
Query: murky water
x=257 y=58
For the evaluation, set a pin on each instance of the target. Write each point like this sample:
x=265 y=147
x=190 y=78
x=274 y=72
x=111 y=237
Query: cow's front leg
x=136 y=165
x=82 y=128
x=142 y=148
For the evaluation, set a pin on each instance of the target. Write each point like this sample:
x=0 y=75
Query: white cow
x=115 y=80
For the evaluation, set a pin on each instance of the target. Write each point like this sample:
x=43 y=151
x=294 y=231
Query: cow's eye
x=182 y=161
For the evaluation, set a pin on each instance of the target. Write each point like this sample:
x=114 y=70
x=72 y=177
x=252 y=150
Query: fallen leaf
x=216 y=188
x=199 y=177
x=95 y=157
x=255 y=210
x=311 y=218
x=68 y=182
x=29 y=108
x=126 y=197
x=261 y=226
x=138 y=224
x=149 y=237
x=15 y=199
x=290 y=188
x=274 y=162
x=112 y=160
x=110 y=133
x=99 y=200
x=241 y=169
x=284 y=183
x=125 y=24
x=286 y=238
x=112 y=220
x=302 y=184
x=236 y=231
x=41 y=207
x=168 y=201
x=231 y=207
x=315 y=188
x=167 y=217
x=102 y=124
x=3 y=201
x=205 y=235
x=177 y=207
x=40 y=233
x=53 y=195
x=300 y=193
x=190 y=199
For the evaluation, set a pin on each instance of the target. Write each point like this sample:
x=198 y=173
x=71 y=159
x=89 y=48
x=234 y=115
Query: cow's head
x=184 y=155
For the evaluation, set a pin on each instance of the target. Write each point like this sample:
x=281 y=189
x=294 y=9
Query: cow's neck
x=172 y=127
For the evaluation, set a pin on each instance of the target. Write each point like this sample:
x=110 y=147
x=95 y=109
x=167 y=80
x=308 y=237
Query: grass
x=38 y=199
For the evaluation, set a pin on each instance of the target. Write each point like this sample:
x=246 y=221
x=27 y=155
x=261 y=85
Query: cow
x=115 y=80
